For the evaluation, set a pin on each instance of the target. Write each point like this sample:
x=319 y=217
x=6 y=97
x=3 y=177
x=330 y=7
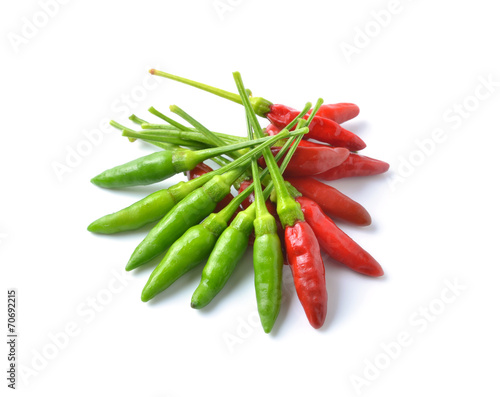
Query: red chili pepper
x=331 y=201
x=201 y=169
x=355 y=165
x=336 y=243
x=272 y=130
x=308 y=161
x=308 y=271
x=338 y=112
x=321 y=129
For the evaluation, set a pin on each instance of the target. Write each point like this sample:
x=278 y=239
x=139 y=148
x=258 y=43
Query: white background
x=432 y=227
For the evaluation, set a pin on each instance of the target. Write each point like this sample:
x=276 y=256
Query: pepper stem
x=168 y=119
x=196 y=124
x=260 y=105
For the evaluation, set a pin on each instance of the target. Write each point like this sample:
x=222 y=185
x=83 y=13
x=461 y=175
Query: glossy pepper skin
x=338 y=112
x=145 y=170
x=336 y=243
x=321 y=129
x=331 y=201
x=355 y=165
x=149 y=209
x=307 y=161
x=308 y=271
x=187 y=252
x=226 y=254
x=202 y=169
x=268 y=269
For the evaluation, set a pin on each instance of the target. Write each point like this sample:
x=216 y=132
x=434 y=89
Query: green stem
x=201 y=86
x=196 y=124
x=260 y=201
x=160 y=128
x=154 y=138
x=168 y=119
x=247 y=156
x=137 y=120
x=216 y=151
x=260 y=105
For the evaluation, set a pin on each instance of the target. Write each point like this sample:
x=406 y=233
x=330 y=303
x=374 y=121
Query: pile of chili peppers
x=282 y=208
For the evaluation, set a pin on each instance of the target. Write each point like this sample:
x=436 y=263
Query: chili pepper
x=308 y=271
x=336 y=243
x=303 y=253
x=226 y=254
x=202 y=169
x=232 y=244
x=158 y=166
x=321 y=129
x=272 y=130
x=355 y=165
x=308 y=161
x=331 y=201
x=338 y=112
x=192 y=209
x=267 y=257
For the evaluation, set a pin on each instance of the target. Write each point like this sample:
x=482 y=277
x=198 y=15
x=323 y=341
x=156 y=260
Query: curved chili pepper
x=307 y=161
x=338 y=112
x=308 y=271
x=321 y=129
x=331 y=201
x=202 y=169
x=336 y=243
x=355 y=165
x=267 y=257
x=221 y=263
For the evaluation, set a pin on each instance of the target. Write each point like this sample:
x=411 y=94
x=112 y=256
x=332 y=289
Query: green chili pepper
x=156 y=167
x=193 y=208
x=227 y=252
x=267 y=258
